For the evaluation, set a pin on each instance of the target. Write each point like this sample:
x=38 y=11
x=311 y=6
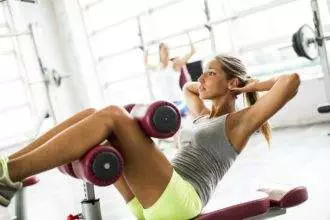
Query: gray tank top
x=205 y=155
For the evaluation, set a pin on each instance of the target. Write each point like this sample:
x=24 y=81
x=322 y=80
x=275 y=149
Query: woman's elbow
x=295 y=79
x=292 y=80
x=296 y=82
x=293 y=83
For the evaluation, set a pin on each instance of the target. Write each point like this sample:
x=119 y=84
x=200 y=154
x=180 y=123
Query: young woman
x=168 y=71
x=154 y=187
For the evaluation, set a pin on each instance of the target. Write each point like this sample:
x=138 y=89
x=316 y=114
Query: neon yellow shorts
x=179 y=201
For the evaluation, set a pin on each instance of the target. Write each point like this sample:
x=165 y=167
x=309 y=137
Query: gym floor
x=298 y=156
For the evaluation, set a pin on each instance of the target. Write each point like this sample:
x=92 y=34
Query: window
x=8 y=65
x=30 y=59
x=116 y=39
x=223 y=37
x=158 y=3
x=219 y=9
x=107 y=12
x=259 y=31
x=17 y=94
x=133 y=90
x=262 y=35
x=173 y=19
x=23 y=125
x=241 y=5
x=113 y=29
x=86 y=3
x=273 y=23
x=122 y=66
x=19 y=67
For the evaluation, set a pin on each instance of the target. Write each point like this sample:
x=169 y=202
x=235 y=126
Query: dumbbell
x=159 y=119
x=101 y=166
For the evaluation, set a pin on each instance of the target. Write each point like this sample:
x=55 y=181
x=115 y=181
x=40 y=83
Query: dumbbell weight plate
x=108 y=165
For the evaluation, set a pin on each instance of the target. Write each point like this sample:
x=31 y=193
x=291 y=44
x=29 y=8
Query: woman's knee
x=117 y=114
x=89 y=111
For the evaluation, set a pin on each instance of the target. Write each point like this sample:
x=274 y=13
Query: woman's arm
x=178 y=63
x=194 y=103
x=147 y=65
x=185 y=59
x=281 y=90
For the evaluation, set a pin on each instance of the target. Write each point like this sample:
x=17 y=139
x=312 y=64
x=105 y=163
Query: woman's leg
x=52 y=132
x=120 y=184
x=146 y=170
x=124 y=189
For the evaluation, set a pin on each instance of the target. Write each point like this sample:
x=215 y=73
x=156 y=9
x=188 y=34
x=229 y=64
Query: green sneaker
x=7 y=187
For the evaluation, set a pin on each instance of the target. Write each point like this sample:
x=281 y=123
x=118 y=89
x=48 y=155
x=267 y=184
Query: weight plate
x=306 y=42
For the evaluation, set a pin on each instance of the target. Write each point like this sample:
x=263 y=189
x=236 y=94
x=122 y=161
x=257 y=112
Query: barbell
x=305 y=43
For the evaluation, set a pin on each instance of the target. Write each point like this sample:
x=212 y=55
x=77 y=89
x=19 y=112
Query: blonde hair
x=233 y=67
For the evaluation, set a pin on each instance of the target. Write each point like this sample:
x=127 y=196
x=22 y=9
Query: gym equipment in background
x=195 y=69
x=311 y=44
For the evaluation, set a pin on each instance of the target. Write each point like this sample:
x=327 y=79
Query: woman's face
x=213 y=81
